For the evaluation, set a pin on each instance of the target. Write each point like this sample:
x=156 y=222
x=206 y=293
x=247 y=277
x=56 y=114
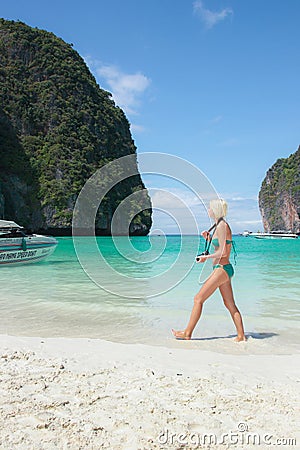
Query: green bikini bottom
x=227 y=267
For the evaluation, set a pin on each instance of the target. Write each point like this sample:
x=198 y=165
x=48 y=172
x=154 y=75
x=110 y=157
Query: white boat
x=281 y=234
x=17 y=247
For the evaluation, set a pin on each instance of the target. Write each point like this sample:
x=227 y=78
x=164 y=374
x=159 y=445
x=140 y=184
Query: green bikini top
x=215 y=242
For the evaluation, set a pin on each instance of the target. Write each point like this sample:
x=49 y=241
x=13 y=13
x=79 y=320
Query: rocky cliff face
x=279 y=196
x=57 y=127
x=19 y=189
x=1 y=203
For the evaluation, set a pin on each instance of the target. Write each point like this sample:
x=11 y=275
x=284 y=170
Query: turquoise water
x=148 y=287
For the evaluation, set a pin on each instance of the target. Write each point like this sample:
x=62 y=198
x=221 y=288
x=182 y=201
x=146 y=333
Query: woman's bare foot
x=240 y=339
x=181 y=335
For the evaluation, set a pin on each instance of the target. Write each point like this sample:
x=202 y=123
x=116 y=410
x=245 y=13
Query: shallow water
x=147 y=287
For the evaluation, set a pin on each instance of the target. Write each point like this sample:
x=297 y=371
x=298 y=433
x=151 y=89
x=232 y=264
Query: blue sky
x=215 y=82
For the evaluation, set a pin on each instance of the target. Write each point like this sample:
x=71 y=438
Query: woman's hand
x=205 y=234
x=202 y=258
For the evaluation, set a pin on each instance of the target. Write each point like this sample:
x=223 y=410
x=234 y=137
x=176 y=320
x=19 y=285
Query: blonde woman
x=221 y=274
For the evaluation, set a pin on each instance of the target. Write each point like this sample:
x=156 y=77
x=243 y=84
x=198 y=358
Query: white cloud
x=249 y=222
x=126 y=89
x=167 y=197
x=137 y=128
x=211 y=124
x=243 y=199
x=215 y=120
x=176 y=210
x=243 y=212
x=231 y=142
x=208 y=17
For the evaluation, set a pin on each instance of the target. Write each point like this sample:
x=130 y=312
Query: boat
x=280 y=234
x=17 y=246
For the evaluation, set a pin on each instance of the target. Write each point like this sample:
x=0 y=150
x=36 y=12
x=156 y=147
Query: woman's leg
x=217 y=278
x=228 y=299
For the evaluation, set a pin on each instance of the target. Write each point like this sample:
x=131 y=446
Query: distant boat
x=16 y=246
x=280 y=234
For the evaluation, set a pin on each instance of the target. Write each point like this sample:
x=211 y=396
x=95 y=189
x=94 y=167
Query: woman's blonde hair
x=219 y=207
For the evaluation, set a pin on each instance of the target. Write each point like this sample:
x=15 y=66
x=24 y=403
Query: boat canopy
x=8 y=224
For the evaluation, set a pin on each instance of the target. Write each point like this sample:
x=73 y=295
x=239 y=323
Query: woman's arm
x=222 y=249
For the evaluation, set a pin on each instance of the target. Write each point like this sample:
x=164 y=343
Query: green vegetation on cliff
x=57 y=127
x=279 y=196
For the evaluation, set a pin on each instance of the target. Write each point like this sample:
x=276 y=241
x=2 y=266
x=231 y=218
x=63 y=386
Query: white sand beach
x=59 y=393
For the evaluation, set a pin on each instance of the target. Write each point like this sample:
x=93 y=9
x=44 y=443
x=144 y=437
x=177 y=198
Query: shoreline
x=86 y=393
x=165 y=359
x=261 y=340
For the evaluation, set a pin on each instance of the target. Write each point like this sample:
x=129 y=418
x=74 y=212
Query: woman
x=221 y=275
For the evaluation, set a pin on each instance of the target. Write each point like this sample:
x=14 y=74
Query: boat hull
x=26 y=250
x=276 y=237
x=272 y=235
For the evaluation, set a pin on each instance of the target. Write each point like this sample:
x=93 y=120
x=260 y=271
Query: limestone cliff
x=279 y=196
x=57 y=127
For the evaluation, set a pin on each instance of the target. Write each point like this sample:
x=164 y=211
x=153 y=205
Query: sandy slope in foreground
x=90 y=394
